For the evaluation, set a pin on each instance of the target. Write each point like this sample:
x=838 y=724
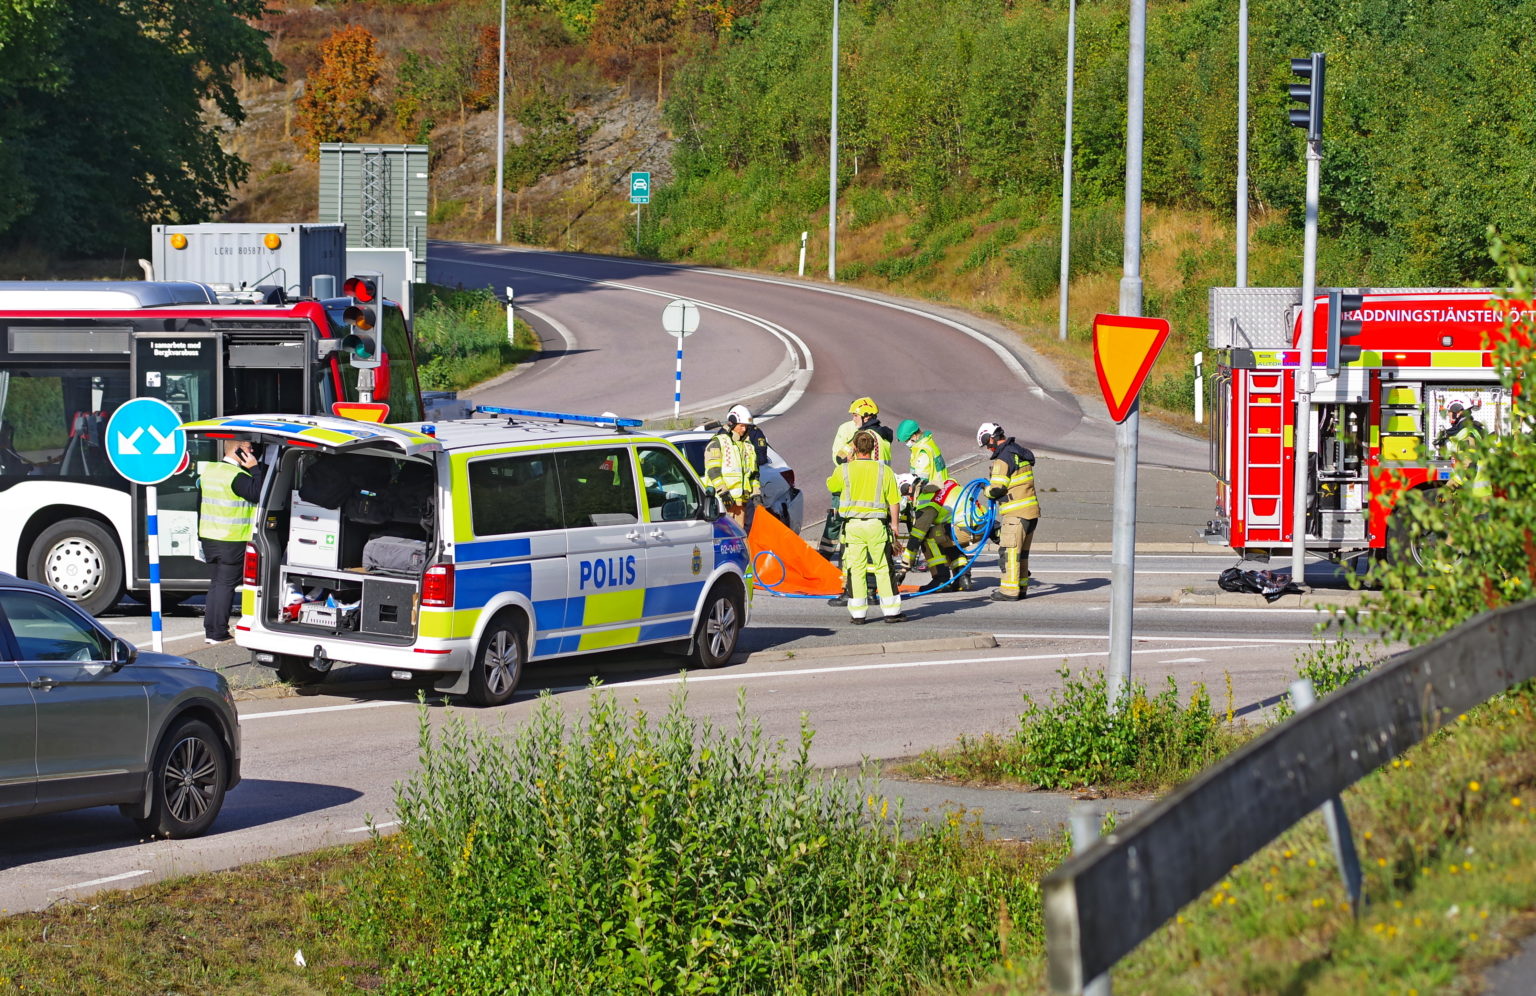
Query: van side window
x=597 y=487
x=670 y=492
x=515 y=494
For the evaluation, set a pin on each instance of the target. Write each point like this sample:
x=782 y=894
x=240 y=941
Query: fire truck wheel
x=79 y=558
x=1427 y=549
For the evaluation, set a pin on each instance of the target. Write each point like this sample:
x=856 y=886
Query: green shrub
x=461 y=338
x=616 y=853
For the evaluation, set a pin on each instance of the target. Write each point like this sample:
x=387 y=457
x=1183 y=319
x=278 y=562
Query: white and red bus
x=72 y=352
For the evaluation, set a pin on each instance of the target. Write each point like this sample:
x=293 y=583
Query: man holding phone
x=230 y=488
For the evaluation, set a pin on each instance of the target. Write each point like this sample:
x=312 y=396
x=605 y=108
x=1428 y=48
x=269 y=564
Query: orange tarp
x=789 y=564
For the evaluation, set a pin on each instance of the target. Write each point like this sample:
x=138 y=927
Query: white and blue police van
x=458 y=552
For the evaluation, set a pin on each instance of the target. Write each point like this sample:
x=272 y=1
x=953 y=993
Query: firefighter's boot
x=847 y=592
x=940 y=575
x=1009 y=591
x=962 y=577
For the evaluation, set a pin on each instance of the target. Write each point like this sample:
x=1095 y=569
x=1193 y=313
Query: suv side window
x=48 y=631
x=597 y=487
x=670 y=492
x=514 y=494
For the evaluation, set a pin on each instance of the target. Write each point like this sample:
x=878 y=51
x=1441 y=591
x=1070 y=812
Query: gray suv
x=86 y=720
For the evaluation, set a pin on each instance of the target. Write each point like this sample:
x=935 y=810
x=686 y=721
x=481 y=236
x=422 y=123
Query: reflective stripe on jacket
x=222 y=514
x=1013 y=468
x=866 y=489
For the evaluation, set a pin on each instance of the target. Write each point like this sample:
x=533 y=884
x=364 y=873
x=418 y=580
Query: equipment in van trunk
x=461 y=556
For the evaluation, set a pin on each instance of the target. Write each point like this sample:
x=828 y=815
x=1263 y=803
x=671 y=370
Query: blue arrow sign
x=145 y=441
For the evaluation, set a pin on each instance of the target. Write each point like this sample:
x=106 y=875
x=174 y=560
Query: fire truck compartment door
x=1351 y=386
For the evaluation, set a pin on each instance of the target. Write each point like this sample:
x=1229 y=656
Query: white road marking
x=101 y=881
x=376 y=826
x=1213 y=608
x=1137 y=637
x=282 y=713
x=1186 y=660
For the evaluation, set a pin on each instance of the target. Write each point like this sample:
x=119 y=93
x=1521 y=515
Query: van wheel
x=187 y=782
x=714 y=641
x=498 y=667
x=80 y=560
x=296 y=670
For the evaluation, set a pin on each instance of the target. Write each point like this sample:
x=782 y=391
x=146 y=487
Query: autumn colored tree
x=339 y=102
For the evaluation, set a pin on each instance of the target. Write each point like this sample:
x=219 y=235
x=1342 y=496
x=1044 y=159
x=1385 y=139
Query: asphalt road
x=320 y=766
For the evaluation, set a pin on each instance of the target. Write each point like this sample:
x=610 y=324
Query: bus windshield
x=53 y=423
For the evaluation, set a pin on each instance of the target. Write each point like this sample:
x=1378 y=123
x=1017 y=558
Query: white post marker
x=803 y=237
x=511 y=325
x=146 y=444
x=681 y=319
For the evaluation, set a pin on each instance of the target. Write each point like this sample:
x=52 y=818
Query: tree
x=339 y=102
x=103 y=128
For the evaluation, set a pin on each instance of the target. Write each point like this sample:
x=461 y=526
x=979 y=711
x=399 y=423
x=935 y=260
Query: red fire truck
x=1386 y=421
x=72 y=352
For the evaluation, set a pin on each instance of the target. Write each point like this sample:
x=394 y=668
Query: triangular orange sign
x=1124 y=348
x=361 y=411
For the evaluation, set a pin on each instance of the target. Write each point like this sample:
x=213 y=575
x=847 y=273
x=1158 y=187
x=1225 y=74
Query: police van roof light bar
x=612 y=420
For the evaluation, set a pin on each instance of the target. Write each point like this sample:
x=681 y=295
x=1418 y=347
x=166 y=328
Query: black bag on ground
x=1266 y=583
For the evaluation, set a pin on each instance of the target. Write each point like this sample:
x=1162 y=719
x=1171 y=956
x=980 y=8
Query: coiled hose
x=974 y=512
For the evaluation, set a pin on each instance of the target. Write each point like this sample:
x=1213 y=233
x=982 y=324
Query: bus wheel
x=79 y=558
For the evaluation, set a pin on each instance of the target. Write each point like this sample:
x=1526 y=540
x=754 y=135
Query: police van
x=459 y=551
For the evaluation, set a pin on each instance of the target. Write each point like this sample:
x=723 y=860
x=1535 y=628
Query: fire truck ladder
x=1264 y=447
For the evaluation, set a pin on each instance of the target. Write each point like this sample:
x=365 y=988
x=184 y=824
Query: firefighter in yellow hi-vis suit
x=1012 y=485
x=869 y=506
x=730 y=467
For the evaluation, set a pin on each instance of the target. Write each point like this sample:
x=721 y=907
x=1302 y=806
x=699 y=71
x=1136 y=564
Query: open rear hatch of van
x=347 y=524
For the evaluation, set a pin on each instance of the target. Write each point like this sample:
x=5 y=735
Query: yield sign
x=1124 y=348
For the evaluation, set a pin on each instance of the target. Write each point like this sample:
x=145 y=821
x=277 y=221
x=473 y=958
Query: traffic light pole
x=1305 y=380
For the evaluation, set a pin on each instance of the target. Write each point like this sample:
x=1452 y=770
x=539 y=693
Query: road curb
x=1320 y=600
x=976 y=641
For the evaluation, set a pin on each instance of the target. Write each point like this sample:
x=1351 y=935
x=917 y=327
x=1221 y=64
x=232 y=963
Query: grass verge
x=461 y=338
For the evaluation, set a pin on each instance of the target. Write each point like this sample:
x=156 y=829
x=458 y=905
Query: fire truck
x=1388 y=420
x=72 y=352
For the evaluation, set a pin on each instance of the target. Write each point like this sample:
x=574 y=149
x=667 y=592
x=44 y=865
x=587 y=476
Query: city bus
x=72 y=352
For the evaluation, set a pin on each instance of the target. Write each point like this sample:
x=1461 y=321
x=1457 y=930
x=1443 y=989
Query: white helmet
x=904 y=482
x=738 y=415
x=985 y=432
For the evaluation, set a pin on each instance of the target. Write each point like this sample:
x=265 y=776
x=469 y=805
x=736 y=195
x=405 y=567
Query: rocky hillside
x=580 y=203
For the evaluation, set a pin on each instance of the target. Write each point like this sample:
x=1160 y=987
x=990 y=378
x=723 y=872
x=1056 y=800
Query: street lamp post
x=1066 y=172
x=501 y=115
x=1242 y=144
x=832 y=169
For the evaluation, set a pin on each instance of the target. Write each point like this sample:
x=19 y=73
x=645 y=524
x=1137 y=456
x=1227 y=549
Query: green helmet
x=907 y=429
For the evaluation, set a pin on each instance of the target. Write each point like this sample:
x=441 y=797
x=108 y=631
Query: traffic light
x=1308 y=94
x=1340 y=328
x=363 y=288
x=362 y=350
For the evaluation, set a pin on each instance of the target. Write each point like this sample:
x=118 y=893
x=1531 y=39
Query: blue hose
x=967 y=516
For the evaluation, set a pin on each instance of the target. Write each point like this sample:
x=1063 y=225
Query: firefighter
x=863 y=413
x=868 y=504
x=926 y=462
x=1012 y=480
x=730 y=467
x=1463 y=425
x=928 y=522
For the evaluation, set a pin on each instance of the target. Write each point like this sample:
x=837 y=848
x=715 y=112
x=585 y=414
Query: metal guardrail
x=1101 y=903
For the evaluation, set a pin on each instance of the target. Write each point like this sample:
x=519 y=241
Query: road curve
x=917 y=360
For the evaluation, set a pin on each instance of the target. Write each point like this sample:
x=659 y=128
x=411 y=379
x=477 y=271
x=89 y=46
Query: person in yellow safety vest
x=926 y=462
x=863 y=413
x=1012 y=486
x=730 y=467
x=928 y=521
x=869 y=505
x=230 y=488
